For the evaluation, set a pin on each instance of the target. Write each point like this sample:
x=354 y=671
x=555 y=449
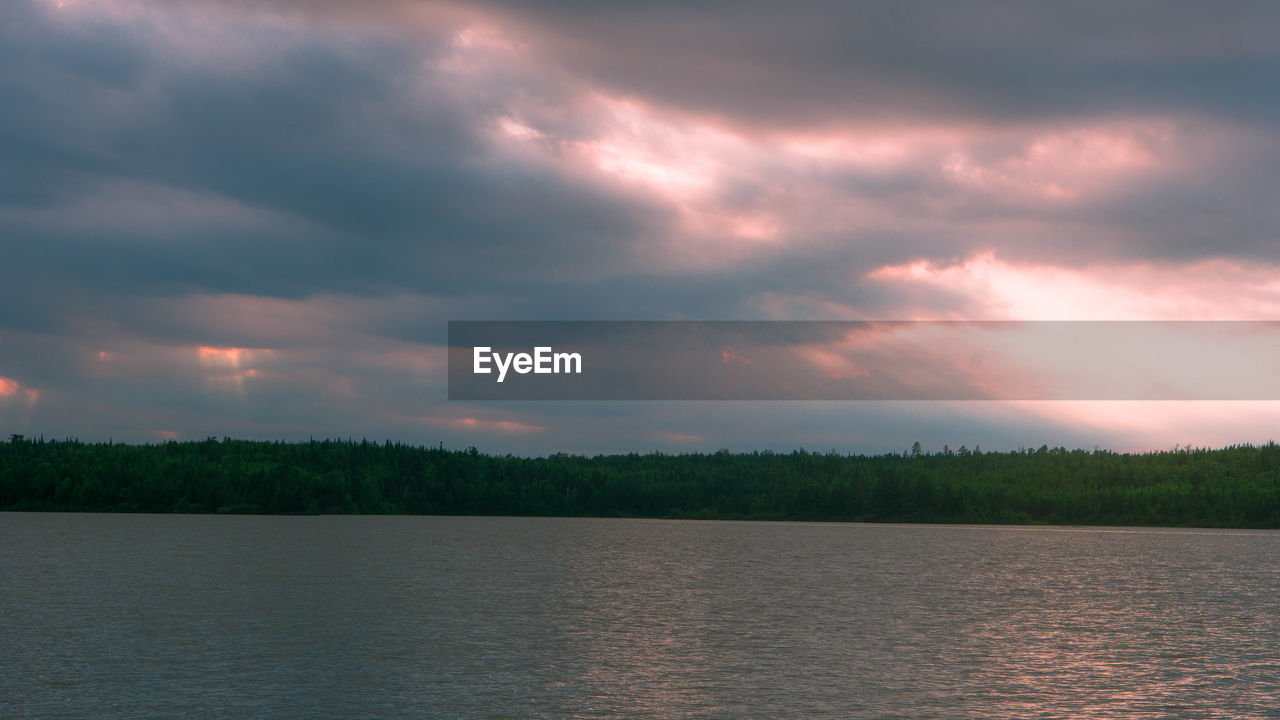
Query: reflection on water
x=201 y=616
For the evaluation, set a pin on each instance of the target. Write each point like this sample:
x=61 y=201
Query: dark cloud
x=331 y=181
x=808 y=63
x=355 y=170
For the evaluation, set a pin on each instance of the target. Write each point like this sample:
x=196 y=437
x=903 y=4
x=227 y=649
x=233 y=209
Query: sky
x=255 y=219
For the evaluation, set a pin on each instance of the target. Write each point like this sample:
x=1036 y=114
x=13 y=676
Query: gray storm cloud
x=321 y=186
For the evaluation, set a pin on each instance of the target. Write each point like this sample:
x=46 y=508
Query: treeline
x=1232 y=487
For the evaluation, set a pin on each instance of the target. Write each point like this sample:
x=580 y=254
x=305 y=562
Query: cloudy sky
x=255 y=219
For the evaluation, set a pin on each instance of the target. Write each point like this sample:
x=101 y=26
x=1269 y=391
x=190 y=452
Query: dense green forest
x=1232 y=487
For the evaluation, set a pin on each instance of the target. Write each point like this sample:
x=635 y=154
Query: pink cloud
x=500 y=427
x=670 y=436
x=328 y=366
x=227 y=357
x=805 y=181
x=1141 y=426
x=730 y=355
x=230 y=368
x=1061 y=166
x=11 y=389
x=833 y=364
x=994 y=289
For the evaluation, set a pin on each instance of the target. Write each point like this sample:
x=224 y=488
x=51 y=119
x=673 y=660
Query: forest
x=1237 y=486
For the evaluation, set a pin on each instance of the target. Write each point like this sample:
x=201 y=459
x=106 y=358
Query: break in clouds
x=255 y=219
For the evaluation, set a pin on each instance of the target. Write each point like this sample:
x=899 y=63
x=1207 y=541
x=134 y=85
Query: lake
x=163 y=616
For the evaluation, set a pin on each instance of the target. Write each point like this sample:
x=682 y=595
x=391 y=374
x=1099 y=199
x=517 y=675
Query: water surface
x=160 y=616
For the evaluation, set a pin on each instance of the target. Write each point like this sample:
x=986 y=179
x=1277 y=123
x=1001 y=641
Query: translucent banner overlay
x=864 y=360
